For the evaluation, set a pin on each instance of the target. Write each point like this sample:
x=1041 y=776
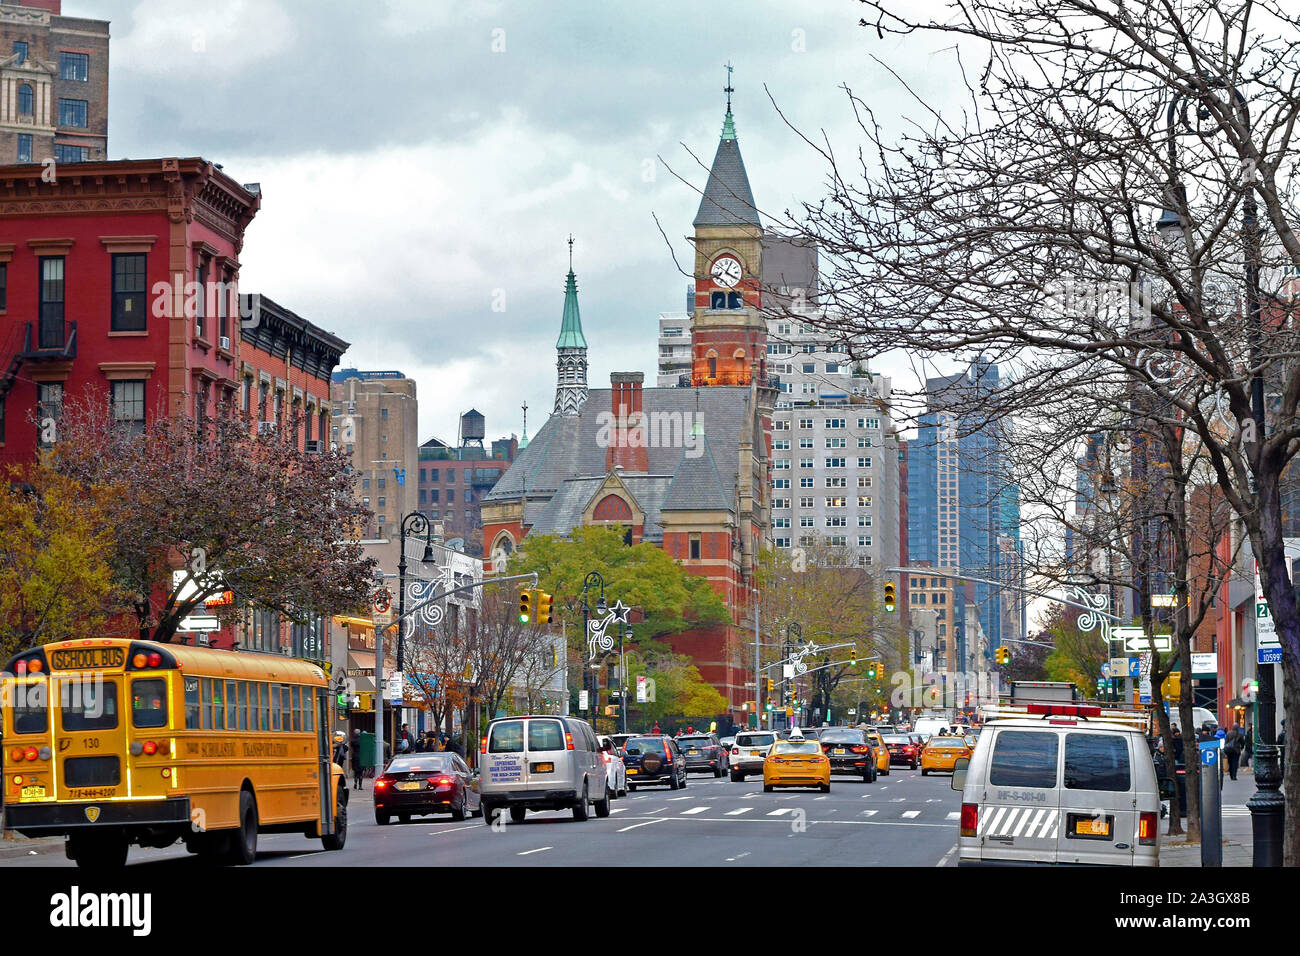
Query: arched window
x=718 y=300
x=26 y=100
x=735 y=300
x=612 y=508
x=713 y=366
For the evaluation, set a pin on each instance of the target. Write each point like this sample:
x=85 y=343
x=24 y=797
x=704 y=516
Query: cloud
x=211 y=43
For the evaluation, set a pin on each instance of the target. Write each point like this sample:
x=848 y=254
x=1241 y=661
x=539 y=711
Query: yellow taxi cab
x=882 y=752
x=941 y=753
x=797 y=762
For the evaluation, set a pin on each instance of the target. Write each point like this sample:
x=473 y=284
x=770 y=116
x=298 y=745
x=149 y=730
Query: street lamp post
x=1267 y=806
x=625 y=633
x=413 y=523
x=589 y=671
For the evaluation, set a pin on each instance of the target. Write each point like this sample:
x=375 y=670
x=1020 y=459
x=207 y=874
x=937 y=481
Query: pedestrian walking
x=1232 y=749
x=1248 y=745
x=1178 y=745
x=355 y=754
x=452 y=746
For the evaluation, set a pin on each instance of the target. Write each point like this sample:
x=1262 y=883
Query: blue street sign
x=1134 y=667
x=1270 y=655
x=1105 y=669
x=1209 y=752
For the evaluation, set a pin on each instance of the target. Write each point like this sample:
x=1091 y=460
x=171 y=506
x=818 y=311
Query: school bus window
x=205 y=706
x=191 y=703
x=254 y=707
x=232 y=705
x=308 y=711
x=89 y=705
x=243 y=705
x=149 y=702
x=31 y=716
x=264 y=700
x=275 y=706
x=218 y=705
x=297 y=707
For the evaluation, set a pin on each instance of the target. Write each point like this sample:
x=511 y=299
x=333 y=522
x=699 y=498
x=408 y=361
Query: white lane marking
x=453 y=830
x=675 y=799
x=955 y=815
x=531 y=852
x=692 y=810
x=657 y=810
x=947 y=856
x=899 y=800
x=869 y=813
x=736 y=813
x=779 y=811
x=909 y=814
x=614 y=810
x=934 y=800
x=819 y=798
x=635 y=825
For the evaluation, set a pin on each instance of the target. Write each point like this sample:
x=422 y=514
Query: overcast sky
x=421 y=160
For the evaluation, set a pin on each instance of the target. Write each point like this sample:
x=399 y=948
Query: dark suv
x=849 y=751
x=704 y=752
x=654 y=759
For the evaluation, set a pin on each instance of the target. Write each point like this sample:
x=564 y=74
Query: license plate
x=33 y=793
x=755 y=753
x=410 y=785
x=1089 y=827
x=839 y=750
x=633 y=770
x=692 y=752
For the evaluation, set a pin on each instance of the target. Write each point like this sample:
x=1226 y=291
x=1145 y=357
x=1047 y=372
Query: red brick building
x=684 y=468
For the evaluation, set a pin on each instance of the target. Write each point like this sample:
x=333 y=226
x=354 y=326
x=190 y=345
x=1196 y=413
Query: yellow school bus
x=113 y=742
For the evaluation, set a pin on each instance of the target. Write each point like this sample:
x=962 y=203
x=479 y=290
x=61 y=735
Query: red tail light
x=482 y=746
x=1147 y=829
x=861 y=749
x=16 y=754
x=150 y=748
x=381 y=784
x=31 y=753
x=155 y=659
x=908 y=750
x=568 y=741
x=735 y=751
x=668 y=753
x=440 y=781
x=970 y=818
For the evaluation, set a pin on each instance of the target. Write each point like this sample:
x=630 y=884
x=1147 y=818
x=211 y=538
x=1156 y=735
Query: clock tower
x=728 y=333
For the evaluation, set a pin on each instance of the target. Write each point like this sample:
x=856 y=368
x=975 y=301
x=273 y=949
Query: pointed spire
x=727 y=199
x=571 y=336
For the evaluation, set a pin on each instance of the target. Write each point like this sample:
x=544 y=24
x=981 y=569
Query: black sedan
x=419 y=784
x=654 y=759
x=903 y=750
x=849 y=751
x=704 y=753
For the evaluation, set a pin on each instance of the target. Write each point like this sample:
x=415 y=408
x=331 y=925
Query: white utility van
x=1059 y=786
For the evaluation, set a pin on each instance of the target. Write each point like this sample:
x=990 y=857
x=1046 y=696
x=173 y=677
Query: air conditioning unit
x=315 y=446
x=266 y=428
x=225 y=342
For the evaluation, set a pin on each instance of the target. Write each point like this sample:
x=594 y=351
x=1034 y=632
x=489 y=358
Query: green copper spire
x=571 y=336
x=728 y=123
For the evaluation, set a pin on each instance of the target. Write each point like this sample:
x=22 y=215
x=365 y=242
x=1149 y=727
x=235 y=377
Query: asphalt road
x=900 y=820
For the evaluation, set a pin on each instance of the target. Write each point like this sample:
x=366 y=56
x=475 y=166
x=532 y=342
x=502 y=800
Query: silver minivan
x=1059 y=788
x=541 y=763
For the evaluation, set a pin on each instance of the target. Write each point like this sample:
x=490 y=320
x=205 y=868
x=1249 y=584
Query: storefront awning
x=359 y=662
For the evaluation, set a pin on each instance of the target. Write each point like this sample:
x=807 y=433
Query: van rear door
x=1019 y=806
x=502 y=765
x=548 y=764
x=1098 y=799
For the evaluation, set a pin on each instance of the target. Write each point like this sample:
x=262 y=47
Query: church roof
x=697 y=486
x=571 y=336
x=727 y=198
x=566 y=459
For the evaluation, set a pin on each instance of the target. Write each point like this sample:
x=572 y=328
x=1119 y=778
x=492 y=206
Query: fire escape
x=50 y=340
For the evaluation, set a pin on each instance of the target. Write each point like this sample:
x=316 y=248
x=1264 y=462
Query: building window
x=128 y=293
x=837 y=482
x=781 y=426
x=74 y=66
x=864 y=462
x=263 y=393
x=433 y=495
x=805 y=462
x=718 y=300
x=868 y=422
x=451 y=496
x=49 y=407
x=805 y=443
x=806 y=502
x=26 y=100
x=51 y=307
x=864 y=442
x=695 y=547
x=864 y=501
x=74 y=113
x=382 y=503
x=864 y=541
x=735 y=300
x=864 y=521
x=864 y=481
x=781 y=464
x=781 y=503
x=20 y=47
x=383 y=413
x=713 y=368
x=128 y=406
x=4 y=284
x=781 y=483
x=783 y=542
x=806 y=483
x=71 y=154
x=834 y=462
x=806 y=521
x=24 y=147
x=835 y=442
x=381 y=482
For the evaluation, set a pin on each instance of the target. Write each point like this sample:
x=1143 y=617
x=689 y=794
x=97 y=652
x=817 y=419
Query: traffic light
x=1172 y=687
x=543 y=607
x=890 y=602
x=769 y=706
x=1004 y=656
x=527 y=607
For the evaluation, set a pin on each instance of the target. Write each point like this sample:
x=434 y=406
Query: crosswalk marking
x=779 y=811
x=736 y=813
x=953 y=816
x=869 y=813
x=908 y=814
x=693 y=810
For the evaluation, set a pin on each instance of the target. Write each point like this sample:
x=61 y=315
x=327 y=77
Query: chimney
x=627 y=449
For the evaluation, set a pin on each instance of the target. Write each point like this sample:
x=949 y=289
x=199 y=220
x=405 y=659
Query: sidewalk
x=1238 y=845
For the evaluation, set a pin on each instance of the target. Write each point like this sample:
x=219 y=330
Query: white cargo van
x=541 y=763
x=1059 y=786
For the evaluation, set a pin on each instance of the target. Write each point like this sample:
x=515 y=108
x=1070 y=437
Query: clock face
x=726 y=271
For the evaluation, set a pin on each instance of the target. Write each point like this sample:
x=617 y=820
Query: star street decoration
x=599 y=640
x=797 y=658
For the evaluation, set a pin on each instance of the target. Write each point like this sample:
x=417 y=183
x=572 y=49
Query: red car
x=423 y=783
x=903 y=750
